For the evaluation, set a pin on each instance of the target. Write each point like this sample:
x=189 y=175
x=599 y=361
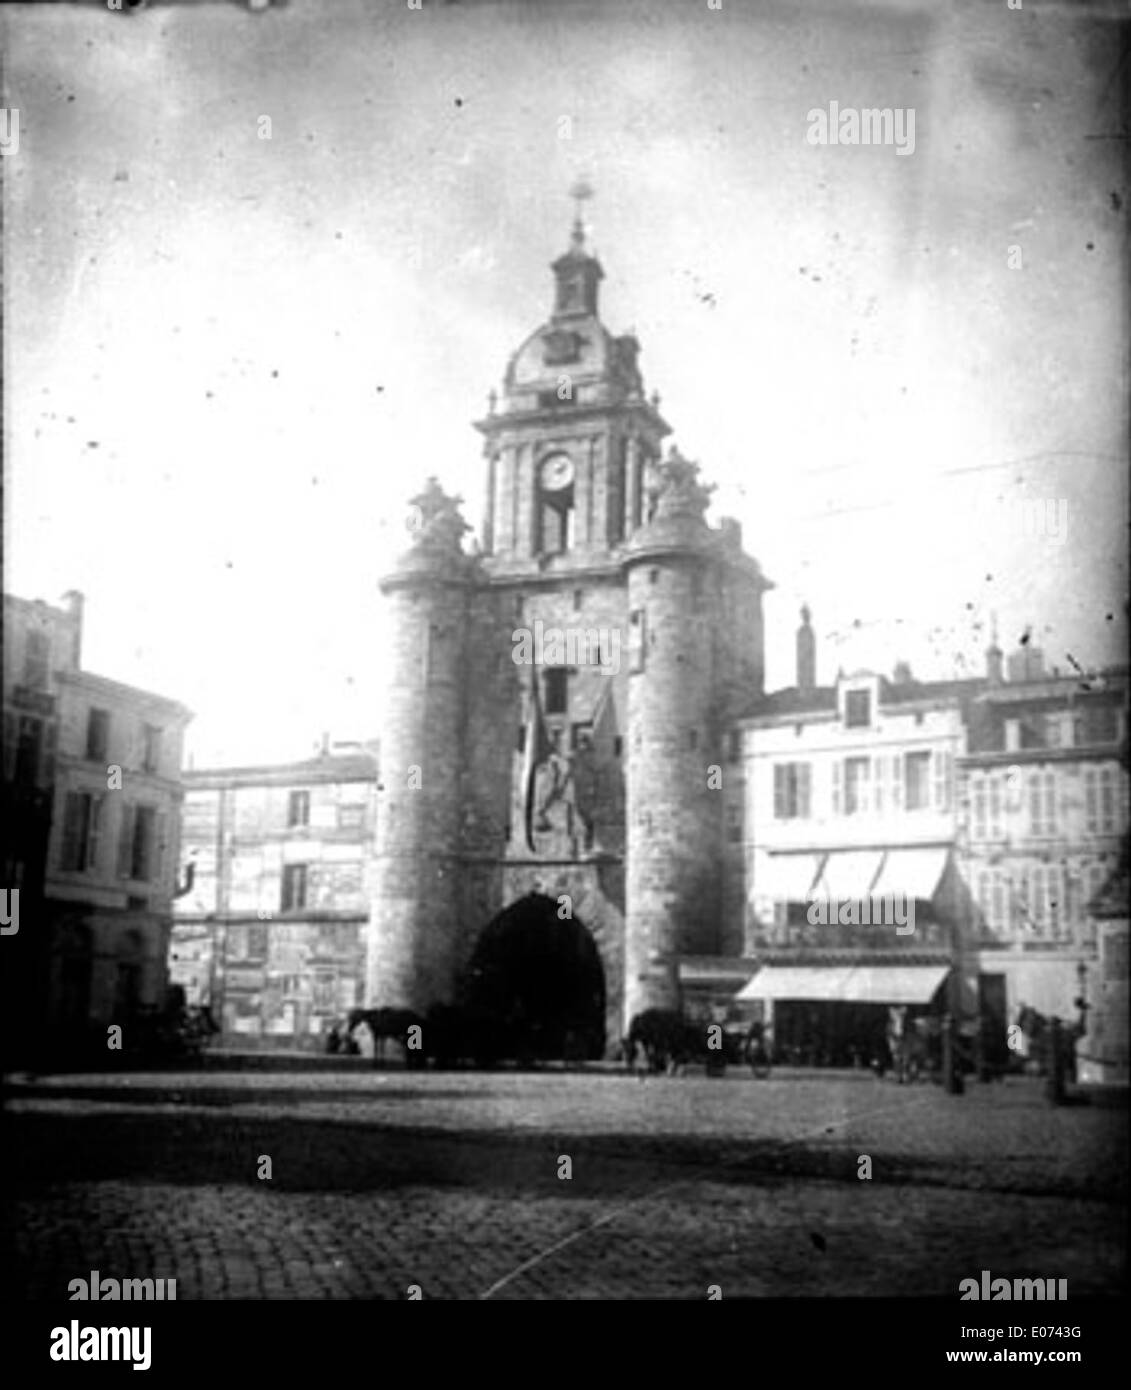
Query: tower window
x=298 y=809
x=576 y=600
x=693 y=738
x=653 y=576
x=556 y=521
x=555 y=687
x=97 y=734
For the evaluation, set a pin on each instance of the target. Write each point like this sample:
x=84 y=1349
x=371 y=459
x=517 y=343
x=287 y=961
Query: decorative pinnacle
x=677 y=489
x=434 y=519
x=580 y=193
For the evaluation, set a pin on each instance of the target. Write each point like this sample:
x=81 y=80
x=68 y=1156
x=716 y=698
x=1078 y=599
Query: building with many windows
x=272 y=934
x=997 y=806
x=99 y=872
x=842 y=867
x=1043 y=787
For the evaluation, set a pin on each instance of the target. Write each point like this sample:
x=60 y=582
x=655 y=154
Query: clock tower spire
x=577 y=273
x=570 y=439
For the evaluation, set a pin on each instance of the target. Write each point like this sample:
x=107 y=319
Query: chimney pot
x=806 y=653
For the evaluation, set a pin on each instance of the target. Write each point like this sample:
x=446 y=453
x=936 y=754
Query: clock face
x=556 y=472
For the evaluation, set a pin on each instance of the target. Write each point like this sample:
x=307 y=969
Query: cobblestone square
x=453 y=1182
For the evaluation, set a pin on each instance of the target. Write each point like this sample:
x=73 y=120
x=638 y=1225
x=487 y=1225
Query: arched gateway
x=541 y=977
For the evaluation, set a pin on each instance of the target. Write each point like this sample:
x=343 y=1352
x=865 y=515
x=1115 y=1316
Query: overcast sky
x=230 y=359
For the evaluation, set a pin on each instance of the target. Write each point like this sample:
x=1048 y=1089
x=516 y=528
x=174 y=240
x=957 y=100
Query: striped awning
x=849 y=874
x=847 y=984
x=911 y=873
x=784 y=878
x=797 y=982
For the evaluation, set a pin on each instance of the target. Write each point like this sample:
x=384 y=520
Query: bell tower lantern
x=577 y=274
x=571 y=440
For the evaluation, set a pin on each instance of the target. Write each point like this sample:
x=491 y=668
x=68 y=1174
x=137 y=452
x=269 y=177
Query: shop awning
x=893 y=984
x=847 y=984
x=849 y=874
x=784 y=878
x=914 y=873
x=797 y=982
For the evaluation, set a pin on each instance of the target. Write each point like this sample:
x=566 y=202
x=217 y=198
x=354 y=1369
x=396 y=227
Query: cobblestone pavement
x=450 y=1181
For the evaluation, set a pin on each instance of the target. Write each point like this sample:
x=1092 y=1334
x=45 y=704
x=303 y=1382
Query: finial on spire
x=580 y=193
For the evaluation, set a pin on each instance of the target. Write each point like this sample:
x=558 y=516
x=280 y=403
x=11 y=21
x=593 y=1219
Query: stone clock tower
x=560 y=848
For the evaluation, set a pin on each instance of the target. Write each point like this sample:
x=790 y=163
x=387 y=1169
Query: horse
x=389 y=1023
x=662 y=1034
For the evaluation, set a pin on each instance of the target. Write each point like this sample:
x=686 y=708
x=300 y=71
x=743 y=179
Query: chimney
x=75 y=601
x=806 y=653
x=325 y=749
x=994 y=664
x=902 y=673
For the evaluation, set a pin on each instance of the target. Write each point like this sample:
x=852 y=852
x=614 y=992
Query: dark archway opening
x=539 y=979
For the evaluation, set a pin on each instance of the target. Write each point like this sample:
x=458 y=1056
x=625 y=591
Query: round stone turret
x=414 y=922
x=674 y=813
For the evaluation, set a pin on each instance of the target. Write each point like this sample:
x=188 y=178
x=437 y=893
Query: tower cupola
x=577 y=274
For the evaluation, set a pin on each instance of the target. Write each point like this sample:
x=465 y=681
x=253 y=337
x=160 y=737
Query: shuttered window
x=73 y=852
x=126 y=841
x=82 y=830
x=792 y=783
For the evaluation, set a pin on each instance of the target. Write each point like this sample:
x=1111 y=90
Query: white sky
x=230 y=360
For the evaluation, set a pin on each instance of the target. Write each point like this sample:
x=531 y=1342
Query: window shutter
x=47 y=754
x=72 y=831
x=941 y=762
x=804 y=789
x=897 y=783
x=94 y=832
x=126 y=841
x=159 y=848
x=837 y=799
x=779 y=791
x=1106 y=818
x=878 y=780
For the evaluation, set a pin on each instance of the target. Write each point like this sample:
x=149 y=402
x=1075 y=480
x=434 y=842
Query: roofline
x=110 y=686
x=334 y=767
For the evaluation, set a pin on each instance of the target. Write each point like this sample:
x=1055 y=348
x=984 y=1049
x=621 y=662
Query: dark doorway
x=540 y=979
